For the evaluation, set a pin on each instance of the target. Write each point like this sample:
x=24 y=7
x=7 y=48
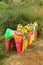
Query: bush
x=41 y=3
x=3 y=51
x=24 y=12
x=7 y=17
x=3 y=14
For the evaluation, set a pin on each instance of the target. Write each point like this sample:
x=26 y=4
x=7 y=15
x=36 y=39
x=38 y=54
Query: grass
x=3 y=53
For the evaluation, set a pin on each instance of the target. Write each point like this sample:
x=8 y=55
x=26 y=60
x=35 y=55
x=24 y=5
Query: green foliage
x=41 y=3
x=24 y=12
x=3 y=53
x=6 y=16
x=3 y=5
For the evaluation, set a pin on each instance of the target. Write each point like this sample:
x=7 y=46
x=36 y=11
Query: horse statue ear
x=36 y=24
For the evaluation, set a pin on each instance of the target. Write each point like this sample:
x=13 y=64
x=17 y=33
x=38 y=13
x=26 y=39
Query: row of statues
x=22 y=37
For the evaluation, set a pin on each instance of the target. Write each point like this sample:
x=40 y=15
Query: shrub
x=23 y=13
x=41 y=3
x=7 y=17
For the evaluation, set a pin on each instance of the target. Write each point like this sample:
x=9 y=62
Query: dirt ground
x=32 y=56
